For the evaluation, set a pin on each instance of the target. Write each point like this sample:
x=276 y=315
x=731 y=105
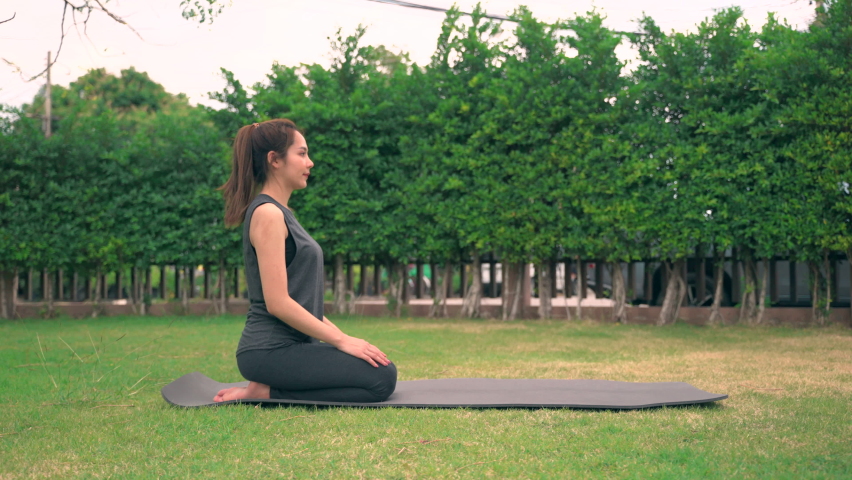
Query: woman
x=280 y=351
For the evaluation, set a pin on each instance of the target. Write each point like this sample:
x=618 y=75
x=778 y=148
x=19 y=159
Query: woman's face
x=297 y=166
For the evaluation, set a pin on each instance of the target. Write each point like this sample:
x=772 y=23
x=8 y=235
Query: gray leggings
x=317 y=371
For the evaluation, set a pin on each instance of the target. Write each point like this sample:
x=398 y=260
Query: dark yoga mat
x=197 y=390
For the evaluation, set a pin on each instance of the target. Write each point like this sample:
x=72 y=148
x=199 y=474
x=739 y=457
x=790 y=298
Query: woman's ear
x=272 y=159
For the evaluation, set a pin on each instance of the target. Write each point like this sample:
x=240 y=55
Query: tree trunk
x=134 y=290
x=471 y=308
x=545 y=287
x=136 y=295
x=13 y=299
x=519 y=288
x=510 y=311
x=235 y=291
x=675 y=292
x=96 y=297
x=440 y=281
x=339 y=287
x=818 y=287
x=47 y=292
x=719 y=291
x=223 y=288
x=184 y=289
x=148 y=293
x=6 y=295
x=508 y=291
x=848 y=258
x=581 y=287
x=748 y=305
x=566 y=289
x=131 y=292
x=145 y=290
x=814 y=278
x=350 y=292
x=828 y=296
x=580 y=283
x=226 y=293
x=761 y=298
x=3 y=301
x=619 y=294
x=396 y=284
x=140 y=291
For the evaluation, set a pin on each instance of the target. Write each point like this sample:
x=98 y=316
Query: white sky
x=251 y=34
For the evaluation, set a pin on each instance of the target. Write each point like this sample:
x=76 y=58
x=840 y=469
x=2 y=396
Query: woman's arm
x=326 y=320
x=267 y=233
x=383 y=359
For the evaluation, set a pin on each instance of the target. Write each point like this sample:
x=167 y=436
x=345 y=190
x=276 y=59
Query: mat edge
x=286 y=402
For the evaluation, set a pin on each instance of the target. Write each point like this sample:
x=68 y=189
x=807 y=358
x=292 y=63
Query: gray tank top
x=305 y=284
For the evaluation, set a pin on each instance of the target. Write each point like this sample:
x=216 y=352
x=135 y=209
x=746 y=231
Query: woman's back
x=305 y=284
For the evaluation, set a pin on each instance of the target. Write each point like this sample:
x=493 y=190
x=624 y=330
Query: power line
x=435 y=9
x=400 y=3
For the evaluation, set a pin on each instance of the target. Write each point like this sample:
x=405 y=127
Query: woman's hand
x=363 y=350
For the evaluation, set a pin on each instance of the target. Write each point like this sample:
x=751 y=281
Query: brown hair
x=250 y=168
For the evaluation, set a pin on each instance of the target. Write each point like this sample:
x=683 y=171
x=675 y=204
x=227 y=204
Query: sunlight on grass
x=81 y=399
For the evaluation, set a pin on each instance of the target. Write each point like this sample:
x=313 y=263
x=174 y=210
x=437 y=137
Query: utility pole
x=48 y=115
x=47 y=278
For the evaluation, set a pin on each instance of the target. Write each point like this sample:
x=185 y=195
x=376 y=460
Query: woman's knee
x=247 y=363
x=385 y=382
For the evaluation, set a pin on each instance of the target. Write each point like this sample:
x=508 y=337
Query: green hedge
x=536 y=146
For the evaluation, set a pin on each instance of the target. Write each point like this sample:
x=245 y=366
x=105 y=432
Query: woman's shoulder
x=268 y=212
x=263 y=199
x=267 y=223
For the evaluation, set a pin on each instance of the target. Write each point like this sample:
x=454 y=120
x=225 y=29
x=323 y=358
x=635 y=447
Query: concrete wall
x=798 y=317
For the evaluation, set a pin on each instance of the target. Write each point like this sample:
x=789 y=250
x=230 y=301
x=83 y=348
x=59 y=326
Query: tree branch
x=61 y=41
x=116 y=18
x=87 y=6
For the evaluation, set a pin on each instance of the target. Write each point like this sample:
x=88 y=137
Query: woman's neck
x=279 y=193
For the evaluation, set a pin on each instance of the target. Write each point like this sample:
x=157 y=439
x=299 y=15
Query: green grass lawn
x=81 y=398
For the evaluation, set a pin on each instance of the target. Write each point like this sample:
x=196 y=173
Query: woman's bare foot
x=254 y=390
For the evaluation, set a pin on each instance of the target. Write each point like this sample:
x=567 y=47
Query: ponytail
x=250 y=167
x=239 y=189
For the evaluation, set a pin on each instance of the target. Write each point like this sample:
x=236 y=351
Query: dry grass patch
x=466 y=327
